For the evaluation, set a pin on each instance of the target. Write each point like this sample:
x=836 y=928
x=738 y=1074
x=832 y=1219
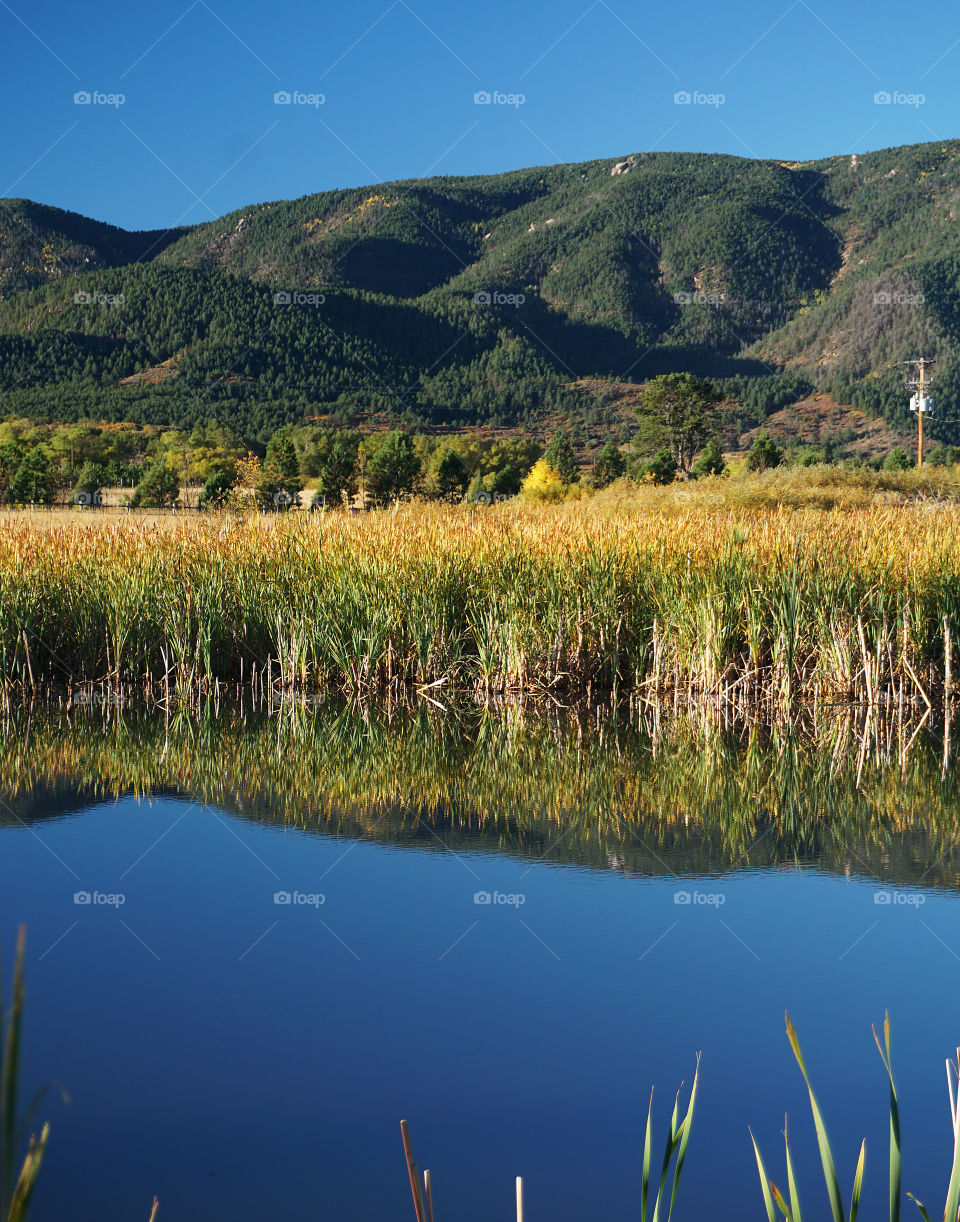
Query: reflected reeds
x=624 y=787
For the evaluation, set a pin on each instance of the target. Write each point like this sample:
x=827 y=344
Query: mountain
x=39 y=244
x=500 y=299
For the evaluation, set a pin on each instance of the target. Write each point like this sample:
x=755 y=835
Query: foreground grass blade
x=9 y=1075
x=685 y=1130
x=920 y=1205
x=667 y=1156
x=953 y=1190
x=858 y=1182
x=645 y=1182
x=676 y=1144
x=894 y=1119
x=26 y=1182
x=765 y=1182
x=16 y=1190
x=826 y=1155
x=791 y=1178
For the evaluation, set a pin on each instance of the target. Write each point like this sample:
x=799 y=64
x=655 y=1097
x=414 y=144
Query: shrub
x=764 y=453
x=896 y=460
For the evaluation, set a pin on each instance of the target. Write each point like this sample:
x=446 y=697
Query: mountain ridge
x=485 y=298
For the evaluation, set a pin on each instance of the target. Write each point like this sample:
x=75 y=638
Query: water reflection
x=628 y=788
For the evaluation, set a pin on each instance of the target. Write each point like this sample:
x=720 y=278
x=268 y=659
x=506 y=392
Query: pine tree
x=32 y=483
x=159 y=485
x=764 y=453
x=709 y=461
x=559 y=454
x=279 y=485
x=448 y=476
x=677 y=412
x=610 y=465
x=394 y=469
x=337 y=475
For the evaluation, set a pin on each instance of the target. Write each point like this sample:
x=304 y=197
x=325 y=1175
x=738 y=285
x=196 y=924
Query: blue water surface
x=246 y=1059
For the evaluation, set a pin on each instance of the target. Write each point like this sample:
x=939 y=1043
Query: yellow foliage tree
x=543 y=483
x=248 y=473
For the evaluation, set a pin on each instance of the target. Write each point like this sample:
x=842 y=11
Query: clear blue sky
x=198 y=132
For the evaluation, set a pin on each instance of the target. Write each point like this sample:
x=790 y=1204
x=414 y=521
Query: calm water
x=244 y=1058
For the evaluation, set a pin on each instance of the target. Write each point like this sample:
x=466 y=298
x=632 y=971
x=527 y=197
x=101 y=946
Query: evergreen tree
x=764 y=453
x=216 y=491
x=159 y=485
x=559 y=454
x=677 y=412
x=662 y=468
x=11 y=456
x=505 y=482
x=88 y=489
x=32 y=482
x=610 y=465
x=394 y=468
x=896 y=460
x=336 y=476
x=448 y=475
x=279 y=485
x=709 y=461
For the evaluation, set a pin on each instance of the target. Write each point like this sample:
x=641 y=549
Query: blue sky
x=384 y=89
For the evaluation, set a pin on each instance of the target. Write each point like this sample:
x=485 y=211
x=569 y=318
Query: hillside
x=501 y=300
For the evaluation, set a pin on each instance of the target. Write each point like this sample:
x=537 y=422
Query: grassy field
x=814 y=584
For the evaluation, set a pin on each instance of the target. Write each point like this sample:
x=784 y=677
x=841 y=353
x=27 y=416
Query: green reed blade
x=765 y=1181
x=645 y=1181
x=895 y=1160
x=826 y=1155
x=791 y=1178
x=920 y=1205
x=685 y=1128
x=858 y=1182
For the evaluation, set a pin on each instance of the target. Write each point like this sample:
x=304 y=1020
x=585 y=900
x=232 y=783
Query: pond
x=260 y=938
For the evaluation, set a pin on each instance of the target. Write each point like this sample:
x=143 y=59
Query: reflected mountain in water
x=602 y=787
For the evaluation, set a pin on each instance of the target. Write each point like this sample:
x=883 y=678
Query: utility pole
x=917 y=376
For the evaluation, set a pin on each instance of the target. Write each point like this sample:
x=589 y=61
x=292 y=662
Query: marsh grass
x=17 y=1179
x=776 y=1201
x=636 y=592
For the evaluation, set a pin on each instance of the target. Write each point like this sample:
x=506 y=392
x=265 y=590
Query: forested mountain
x=486 y=299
